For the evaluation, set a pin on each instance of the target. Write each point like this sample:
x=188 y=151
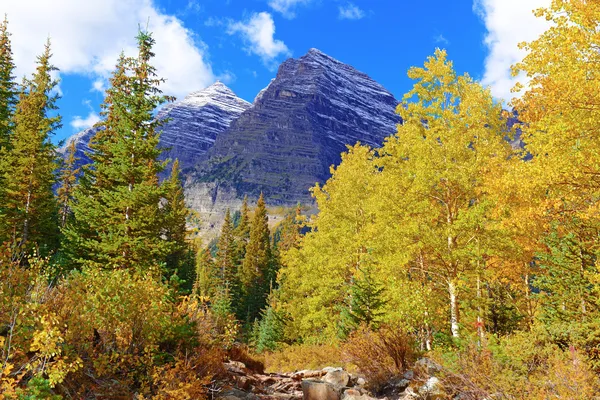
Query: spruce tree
x=225 y=260
x=30 y=207
x=242 y=232
x=207 y=275
x=254 y=274
x=68 y=180
x=8 y=101
x=175 y=225
x=365 y=305
x=119 y=221
x=8 y=86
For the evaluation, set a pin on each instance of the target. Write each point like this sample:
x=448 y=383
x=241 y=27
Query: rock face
x=297 y=128
x=197 y=120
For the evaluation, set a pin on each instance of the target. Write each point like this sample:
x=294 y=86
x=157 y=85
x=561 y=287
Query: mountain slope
x=297 y=128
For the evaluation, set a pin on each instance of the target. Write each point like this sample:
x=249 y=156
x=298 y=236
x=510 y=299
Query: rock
x=337 y=377
x=429 y=366
x=235 y=394
x=399 y=384
x=353 y=394
x=361 y=381
x=410 y=375
x=317 y=390
x=432 y=389
x=331 y=369
x=307 y=374
x=409 y=394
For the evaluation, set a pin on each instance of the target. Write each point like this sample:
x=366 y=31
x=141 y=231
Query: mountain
x=197 y=120
x=295 y=130
x=192 y=127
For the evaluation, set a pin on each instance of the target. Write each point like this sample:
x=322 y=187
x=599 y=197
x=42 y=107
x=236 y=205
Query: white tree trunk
x=453 y=309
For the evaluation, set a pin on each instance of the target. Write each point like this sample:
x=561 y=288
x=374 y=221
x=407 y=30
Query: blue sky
x=241 y=42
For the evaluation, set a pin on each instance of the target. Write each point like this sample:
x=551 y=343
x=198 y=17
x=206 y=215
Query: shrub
x=242 y=354
x=380 y=354
x=304 y=356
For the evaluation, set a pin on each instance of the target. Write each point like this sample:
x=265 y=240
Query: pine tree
x=68 y=180
x=242 y=232
x=207 y=275
x=30 y=207
x=366 y=303
x=255 y=273
x=8 y=86
x=175 y=225
x=225 y=260
x=268 y=333
x=118 y=220
x=8 y=100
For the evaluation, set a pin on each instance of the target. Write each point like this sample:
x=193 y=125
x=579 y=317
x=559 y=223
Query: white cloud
x=508 y=22
x=99 y=85
x=258 y=32
x=78 y=123
x=351 y=11
x=87 y=37
x=441 y=39
x=286 y=7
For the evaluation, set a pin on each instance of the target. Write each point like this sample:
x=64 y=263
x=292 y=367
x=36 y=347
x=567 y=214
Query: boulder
x=354 y=394
x=337 y=377
x=361 y=381
x=432 y=389
x=409 y=375
x=429 y=366
x=398 y=384
x=317 y=390
x=235 y=394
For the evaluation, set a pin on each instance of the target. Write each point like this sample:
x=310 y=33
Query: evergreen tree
x=255 y=273
x=8 y=86
x=68 y=180
x=225 y=260
x=366 y=303
x=268 y=333
x=175 y=225
x=8 y=100
x=119 y=221
x=242 y=232
x=30 y=207
x=207 y=276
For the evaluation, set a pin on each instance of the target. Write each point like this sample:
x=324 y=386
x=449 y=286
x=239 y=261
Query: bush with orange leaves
x=525 y=365
x=101 y=334
x=381 y=354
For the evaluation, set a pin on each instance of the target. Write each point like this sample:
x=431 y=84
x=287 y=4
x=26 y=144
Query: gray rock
x=235 y=394
x=337 y=377
x=429 y=366
x=331 y=369
x=399 y=384
x=410 y=375
x=432 y=389
x=318 y=390
x=361 y=381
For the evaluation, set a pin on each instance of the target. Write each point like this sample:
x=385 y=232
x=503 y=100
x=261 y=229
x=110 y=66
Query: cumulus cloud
x=287 y=7
x=508 y=23
x=351 y=11
x=258 y=32
x=87 y=37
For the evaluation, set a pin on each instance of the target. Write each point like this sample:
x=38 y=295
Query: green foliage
x=365 y=306
x=256 y=274
x=29 y=218
x=269 y=332
x=123 y=216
